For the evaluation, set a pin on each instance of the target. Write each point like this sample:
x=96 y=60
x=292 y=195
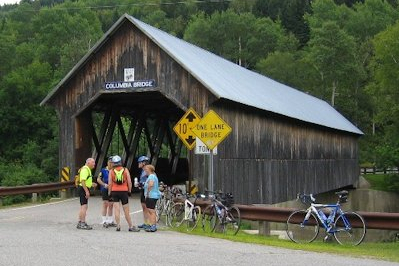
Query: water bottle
x=136 y=182
x=322 y=215
x=218 y=210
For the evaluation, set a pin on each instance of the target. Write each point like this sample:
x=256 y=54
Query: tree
x=383 y=89
x=241 y=38
x=290 y=13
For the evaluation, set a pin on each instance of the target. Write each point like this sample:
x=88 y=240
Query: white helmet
x=116 y=159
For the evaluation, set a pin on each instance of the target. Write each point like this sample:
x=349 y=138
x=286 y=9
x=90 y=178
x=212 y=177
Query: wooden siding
x=268 y=159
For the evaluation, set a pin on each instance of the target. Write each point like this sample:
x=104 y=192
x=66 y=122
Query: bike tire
x=158 y=210
x=232 y=221
x=344 y=233
x=192 y=222
x=167 y=212
x=176 y=214
x=209 y=218
x=301 y=231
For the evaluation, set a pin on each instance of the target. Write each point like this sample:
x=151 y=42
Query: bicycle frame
x=328 y=220
x=188 y=209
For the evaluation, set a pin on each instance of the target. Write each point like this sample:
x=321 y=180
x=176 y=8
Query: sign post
x=211 y=130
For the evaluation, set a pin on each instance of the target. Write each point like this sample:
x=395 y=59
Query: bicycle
x=221 y=213
x=164 y=204
x=347 y=227
x=185 y=212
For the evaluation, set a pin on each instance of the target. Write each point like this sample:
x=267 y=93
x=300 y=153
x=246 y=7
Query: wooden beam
x=135 y=143
x=107 y=141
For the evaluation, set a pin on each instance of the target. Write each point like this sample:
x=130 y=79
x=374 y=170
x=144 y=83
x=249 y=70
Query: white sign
x=201 y=148
x=129 y=74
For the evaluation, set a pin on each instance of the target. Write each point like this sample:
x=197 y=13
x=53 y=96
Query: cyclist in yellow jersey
x=85 y=183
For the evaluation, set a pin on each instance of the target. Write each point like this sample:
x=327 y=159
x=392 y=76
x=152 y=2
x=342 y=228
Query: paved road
x=47 y=235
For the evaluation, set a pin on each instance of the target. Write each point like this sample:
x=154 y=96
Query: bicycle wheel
x=192 y=222
x=158 y=209
x=350 y=229
x=176 y=214
x=300 y=230
x=209 y=219
x=232 y=221
x=167 y=212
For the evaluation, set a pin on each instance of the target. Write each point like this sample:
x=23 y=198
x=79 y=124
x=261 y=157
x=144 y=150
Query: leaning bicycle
x=185 y=212
x=221 y=215
x=347 y=227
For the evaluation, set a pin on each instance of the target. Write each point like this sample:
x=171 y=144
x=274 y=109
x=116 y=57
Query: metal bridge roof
x=233 y=82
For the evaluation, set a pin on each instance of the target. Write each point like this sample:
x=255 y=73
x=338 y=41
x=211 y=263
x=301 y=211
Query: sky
x=2 y=2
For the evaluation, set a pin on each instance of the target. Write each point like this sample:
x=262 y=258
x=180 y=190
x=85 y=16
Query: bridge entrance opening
x=131 y=125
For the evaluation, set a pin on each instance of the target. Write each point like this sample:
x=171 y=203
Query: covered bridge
x=283 y=141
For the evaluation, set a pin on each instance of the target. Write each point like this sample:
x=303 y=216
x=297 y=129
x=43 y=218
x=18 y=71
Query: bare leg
x=145 y=212
x=117 y=214
x=82 y=213
x=127 y=215
x=152 y=216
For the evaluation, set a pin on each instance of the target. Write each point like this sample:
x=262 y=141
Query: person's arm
x=110 y=182
x=129 y=180
x=100 y=181
x=87 y=191
x=149 y=188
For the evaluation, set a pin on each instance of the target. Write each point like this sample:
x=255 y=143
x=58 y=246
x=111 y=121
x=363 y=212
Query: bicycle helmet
x=143 y=159
x=116 y=159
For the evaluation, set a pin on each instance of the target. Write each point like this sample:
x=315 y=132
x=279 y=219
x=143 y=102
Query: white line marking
x=39 y=205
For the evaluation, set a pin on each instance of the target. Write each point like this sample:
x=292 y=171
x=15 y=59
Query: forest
x=345 y=52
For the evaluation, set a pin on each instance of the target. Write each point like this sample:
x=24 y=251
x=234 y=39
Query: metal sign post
x=210 y=181
x=211 y=130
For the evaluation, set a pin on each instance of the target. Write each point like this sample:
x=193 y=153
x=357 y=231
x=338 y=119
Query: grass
x=377 y=181
x=388 y=182
x=380 y=251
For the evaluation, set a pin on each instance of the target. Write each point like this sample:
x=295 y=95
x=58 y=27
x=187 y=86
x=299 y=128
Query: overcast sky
x=2 y=2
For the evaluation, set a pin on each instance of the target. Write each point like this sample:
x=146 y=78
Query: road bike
x=185 y=212
x=220 y=215
x=165 y=203
x=347 y=227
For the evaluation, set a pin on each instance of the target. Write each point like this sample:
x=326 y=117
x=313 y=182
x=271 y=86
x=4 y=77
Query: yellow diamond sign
x=211 y=130
x=183 y=127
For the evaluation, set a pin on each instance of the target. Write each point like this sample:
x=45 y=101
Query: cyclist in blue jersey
x=152 y=194
x=107 y=208
x=143 y=161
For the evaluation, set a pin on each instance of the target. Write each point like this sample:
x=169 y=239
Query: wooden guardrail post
x=34 y=197
x=264 y=228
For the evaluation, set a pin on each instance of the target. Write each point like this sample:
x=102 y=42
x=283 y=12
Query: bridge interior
x=137 y=123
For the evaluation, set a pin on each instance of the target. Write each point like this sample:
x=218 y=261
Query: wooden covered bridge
x=133 y=86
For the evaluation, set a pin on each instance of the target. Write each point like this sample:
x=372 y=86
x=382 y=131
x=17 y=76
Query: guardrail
x=36 y=188
x=374 y=220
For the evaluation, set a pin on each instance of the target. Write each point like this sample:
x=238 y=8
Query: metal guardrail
x=374 y=220
x=36 y=188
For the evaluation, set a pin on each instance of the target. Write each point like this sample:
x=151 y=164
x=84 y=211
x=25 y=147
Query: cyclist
x=107 y=208
x=120 y=185
x=143 y=161
x=85 y=183
x=152 y=194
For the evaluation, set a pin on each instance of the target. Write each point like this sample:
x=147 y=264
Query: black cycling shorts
x=104 y=195
x=150 y=203
x=122 y=196
x=82 y=196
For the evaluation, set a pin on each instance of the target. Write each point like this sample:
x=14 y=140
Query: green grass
x=376 y=181
x=379 y=181
x=380 y=251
